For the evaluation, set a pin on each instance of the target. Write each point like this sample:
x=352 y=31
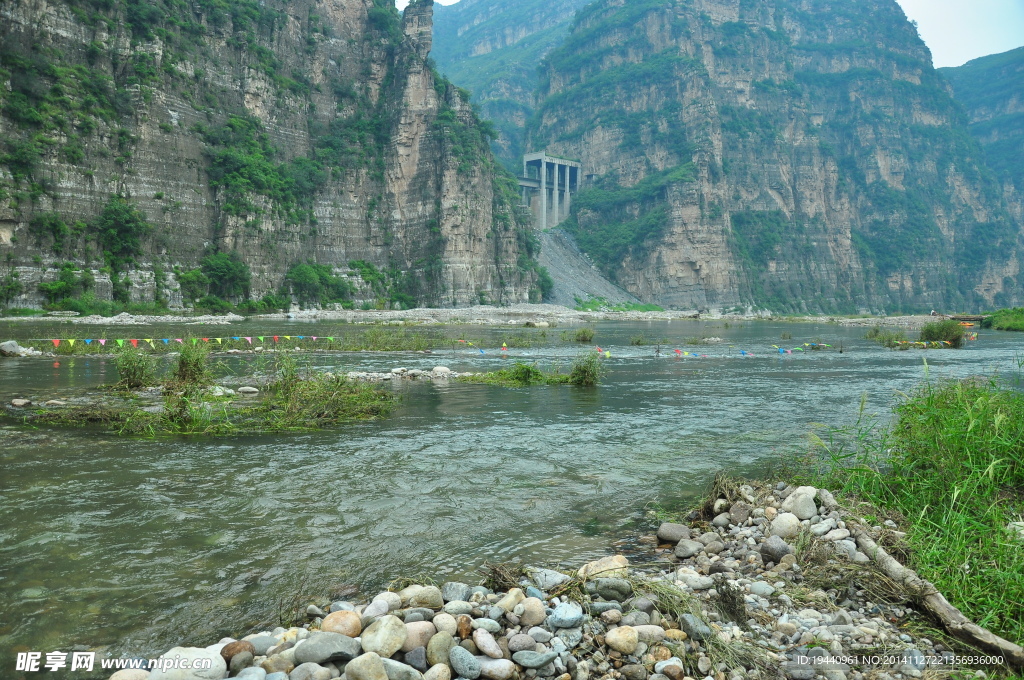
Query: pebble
x=485 y=642
x=687 y=548
x=385 y=636
x=528 y=659
x=367 y=666
x=343 y=622
x=623 y=639
x=566 y=615
x=418 y=634
x=786 y=525
x=465 y=664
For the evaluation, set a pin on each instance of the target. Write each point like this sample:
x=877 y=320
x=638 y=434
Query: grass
x=948 y=332
x=952 y=464
x=1005 y=320
x=293 y=399
x=586 y=371
x=136 y=369
x=600 y=304
x=585 y=334
x=887 y=338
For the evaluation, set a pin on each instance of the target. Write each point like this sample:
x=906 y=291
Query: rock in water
x=385 y=636
x=670 y=532
x=366 y=667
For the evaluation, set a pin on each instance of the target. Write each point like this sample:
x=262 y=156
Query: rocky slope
x=494 y=49
x=992 y=90
x=140 y=136
x=796 y=155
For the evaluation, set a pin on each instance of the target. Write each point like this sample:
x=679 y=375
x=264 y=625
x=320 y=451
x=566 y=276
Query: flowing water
x=141 y=544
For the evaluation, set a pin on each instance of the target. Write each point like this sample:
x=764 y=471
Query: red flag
x=275 y=338
x=135 y=343
x=56 y=343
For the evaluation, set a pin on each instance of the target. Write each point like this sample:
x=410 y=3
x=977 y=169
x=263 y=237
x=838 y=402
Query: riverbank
x=762 y=580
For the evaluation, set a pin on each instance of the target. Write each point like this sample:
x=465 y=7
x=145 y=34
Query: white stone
x=786 y=525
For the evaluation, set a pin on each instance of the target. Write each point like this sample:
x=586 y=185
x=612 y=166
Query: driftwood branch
x=955 y=623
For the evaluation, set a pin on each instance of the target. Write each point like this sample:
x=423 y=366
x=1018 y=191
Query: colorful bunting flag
x=56 y=343
x=120 y=343
x=103 y=342
x=135 y=343
x=71 y=342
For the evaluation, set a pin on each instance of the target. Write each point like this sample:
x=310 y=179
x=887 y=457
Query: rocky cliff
x=991 y=89
x=494 y=48
x=142 y=137
x=793 y=154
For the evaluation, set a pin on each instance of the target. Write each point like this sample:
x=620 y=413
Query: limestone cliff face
x=285 y=131
x=991 y=89
x=795 y=154
x=494 y=48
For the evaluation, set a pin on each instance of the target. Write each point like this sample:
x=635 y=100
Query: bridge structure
x=547 y=185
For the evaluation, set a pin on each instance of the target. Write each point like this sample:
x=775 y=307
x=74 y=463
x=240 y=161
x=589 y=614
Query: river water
x=141 y=544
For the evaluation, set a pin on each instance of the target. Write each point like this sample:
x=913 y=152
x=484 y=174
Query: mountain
x=169 y=149
x=992 y=90
x=494 y=50
x=791 y=154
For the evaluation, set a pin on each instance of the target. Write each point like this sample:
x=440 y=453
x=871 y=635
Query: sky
x=956 y=31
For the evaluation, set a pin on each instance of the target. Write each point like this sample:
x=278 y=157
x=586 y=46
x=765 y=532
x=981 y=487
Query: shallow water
x=144 y=544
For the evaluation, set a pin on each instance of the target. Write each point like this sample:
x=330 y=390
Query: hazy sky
x=956 y=31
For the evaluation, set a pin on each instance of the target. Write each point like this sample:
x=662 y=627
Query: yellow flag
x=218 y=340
x=71 y=342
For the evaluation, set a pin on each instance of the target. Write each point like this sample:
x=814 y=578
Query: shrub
x=192 y=369
x=586 y=370
x=136 y=368
x=943 y=331
x=228 y=274
x=120 y=229
x=584 y=335
x=886 y=338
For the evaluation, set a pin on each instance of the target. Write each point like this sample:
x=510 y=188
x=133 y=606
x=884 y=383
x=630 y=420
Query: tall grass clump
x=887 y=338
x=586 y=370
x=585 y=334
x=1005 y=320
x=135 y=368
x=952 y=464
x=193 y=368
x=943 y=331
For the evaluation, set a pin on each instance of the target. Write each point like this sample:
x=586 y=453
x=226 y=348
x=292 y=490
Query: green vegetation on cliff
x=989 y=88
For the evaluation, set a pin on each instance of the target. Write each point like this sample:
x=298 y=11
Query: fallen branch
x=923 y=591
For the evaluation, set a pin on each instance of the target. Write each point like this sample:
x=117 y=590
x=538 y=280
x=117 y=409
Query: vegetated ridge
x=162 y=151
x=992 y=90
x=494 y=50
x=791 y=155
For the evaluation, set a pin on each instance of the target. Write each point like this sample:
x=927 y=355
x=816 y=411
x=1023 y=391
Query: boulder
x=800 y=502
x=367 y=666
x=385 y=636
x=613 y=566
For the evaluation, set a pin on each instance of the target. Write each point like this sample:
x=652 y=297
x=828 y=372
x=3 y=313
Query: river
x=141 y=544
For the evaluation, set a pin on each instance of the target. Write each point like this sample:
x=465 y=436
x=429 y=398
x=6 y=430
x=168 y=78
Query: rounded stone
x=385 y=636
x=623 y=639
x=446 y=623
x=786 y=525
x=344 y=622
x=496 y=669
x=418 y=635
x=486 y=643
x=533 y=612
x=614 y=566
x=439 y=647
x=393 y=600
x=366 y=667
x=521 y=642
x=465 y=664
x=438 y=672
x=232 y=648
x=428 y=596
x=686 y=548
x=801 y=502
